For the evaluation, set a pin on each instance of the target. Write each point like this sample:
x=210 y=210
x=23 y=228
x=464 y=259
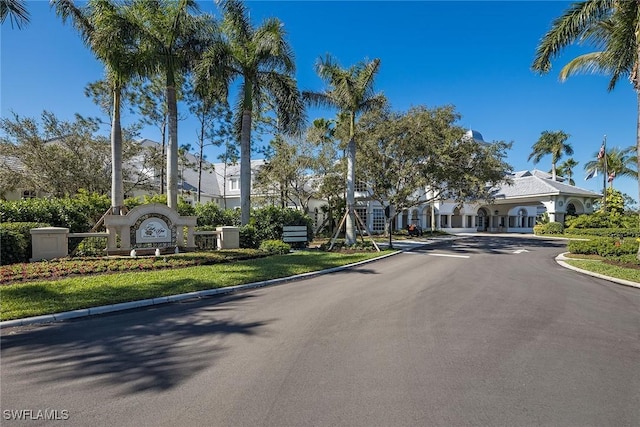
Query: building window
x=28 y=194
x=378 y=220
x=234 y=184
x=360 y=186
x=362 y=213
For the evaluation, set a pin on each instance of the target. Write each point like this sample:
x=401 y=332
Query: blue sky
x=474 y=55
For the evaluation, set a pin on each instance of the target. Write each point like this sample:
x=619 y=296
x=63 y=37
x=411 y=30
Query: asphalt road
x=483 y=331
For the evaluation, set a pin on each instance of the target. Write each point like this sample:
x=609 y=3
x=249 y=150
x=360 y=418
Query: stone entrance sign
x=149 y=226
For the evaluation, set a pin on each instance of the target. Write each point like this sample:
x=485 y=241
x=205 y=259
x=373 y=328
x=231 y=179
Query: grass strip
x=600 y=267
x=47 y=297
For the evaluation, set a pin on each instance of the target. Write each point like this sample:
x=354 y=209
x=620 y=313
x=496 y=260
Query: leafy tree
x=105 y=29
x=287 y=172
x=554 y=144
x=262 y=60
x=422 y=155
x=171 y=38
x=351 y=92
x=54 y=156
x=16 y=11
x=611 y=27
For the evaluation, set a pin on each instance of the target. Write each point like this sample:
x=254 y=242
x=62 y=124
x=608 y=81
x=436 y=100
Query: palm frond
x=16 y=11
x=576 y=23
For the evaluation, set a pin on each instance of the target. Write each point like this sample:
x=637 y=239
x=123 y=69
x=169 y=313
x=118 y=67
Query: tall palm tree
x=171 y=39
x=263 y=61
x=554 y=144
x=104 y=28
x=619 y=162
x=16 y=11
x=566 y=169
x=351 y=92
x=612 y=27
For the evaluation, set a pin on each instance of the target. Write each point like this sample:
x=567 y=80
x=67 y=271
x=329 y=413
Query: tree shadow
x=493 y=245
x=150 y=349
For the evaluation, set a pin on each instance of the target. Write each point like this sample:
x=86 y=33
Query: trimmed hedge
x=605 y=247
x=548 y=228
x=275 y=247
x=15 y=241
x=604 y=232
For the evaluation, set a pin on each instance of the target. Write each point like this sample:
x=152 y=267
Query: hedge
x=604 y=232
x=275 y=247
x=548 y=228
x=603 y=246
x=15 y=241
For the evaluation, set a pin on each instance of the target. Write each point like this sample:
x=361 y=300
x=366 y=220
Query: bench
x=294 y=234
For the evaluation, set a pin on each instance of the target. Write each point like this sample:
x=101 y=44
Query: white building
x=514 y=209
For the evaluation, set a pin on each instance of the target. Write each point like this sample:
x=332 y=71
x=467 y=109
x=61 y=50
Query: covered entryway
x=482 y=220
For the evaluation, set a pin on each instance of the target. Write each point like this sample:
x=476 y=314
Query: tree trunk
x=638 y=152
x=117 y=193
x=172 y=152
x=350 y=232
x=245 y=168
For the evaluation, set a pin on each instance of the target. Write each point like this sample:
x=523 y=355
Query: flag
x=601 y=152
x=612 y=175
x=594 y=172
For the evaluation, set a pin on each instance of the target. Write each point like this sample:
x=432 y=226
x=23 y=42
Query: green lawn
x=21 y=300
x=598 y=266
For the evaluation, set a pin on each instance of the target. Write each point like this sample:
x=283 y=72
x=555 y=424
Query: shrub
x=549 y=228
x=275 y=247
x=13 y=246
x=606 y=247
x=209 y=214
x=16 y=241
x=248 y=237
x=270 y=220
x=604 y=232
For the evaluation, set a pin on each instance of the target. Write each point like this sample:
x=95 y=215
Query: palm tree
x=105 y=30
x=263 y=61
x=171 y=39
x=553 y=143
x=566 y=169
x=611 y=26
x=351 y=92
x=620 y=162
x=16 y=11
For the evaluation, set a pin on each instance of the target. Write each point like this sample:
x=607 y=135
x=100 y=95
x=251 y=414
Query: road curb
x=560 y=259
x=93 y=311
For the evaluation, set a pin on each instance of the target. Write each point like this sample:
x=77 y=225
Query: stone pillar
x=449 y=218
x=125 y=237
x=49 y=243
x=112 y=241
x=191 y=240
x=229 y=237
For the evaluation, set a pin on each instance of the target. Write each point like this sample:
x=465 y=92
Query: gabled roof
x=534 y=183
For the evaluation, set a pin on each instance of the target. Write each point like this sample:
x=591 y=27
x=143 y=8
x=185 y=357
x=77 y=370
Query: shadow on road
x=153 y=349
x=493 y=245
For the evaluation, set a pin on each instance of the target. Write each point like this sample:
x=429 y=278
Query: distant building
x=515 y=208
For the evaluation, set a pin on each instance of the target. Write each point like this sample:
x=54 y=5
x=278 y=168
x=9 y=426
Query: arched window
x=571 y=209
